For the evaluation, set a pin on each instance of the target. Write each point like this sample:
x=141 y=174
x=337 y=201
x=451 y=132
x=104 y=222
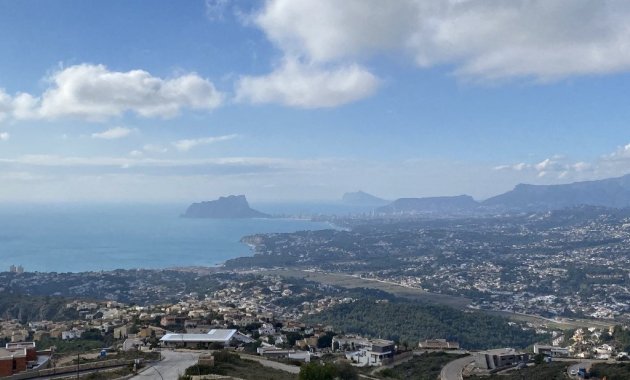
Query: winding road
x=172 y=365
x=453 y=370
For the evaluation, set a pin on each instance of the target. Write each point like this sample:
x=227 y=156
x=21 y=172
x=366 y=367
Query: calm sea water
x=74 y=238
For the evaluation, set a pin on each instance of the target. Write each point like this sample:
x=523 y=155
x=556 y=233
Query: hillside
x=611 y=192
x=27 y=308
x=413 y=322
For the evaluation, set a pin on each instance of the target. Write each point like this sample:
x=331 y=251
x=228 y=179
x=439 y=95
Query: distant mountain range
x=233 y=206
x=361 y=198
x=448 y=205
x=611 y=193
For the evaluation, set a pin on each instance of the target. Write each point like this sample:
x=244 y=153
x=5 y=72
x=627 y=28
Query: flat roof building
x=438 y=344
x=215 y=336
x=15 y=357
x=552 y=351
x=500 y=358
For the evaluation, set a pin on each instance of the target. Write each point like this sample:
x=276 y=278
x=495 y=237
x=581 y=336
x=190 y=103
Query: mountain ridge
x=609 y=192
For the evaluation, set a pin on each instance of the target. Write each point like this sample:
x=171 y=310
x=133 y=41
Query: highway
x=453 y=370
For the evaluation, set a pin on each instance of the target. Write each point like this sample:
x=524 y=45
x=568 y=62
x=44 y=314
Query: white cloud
x=4 y=136
x=307 y=86
x=329 y=30
x=515 y=167
x=6 y=108
x=555 y=165
x=581 y=166
x=487 y=39
x=188 y=144
x=154 y=148
x=113 y=133
x=93 y=92
x=563 y=168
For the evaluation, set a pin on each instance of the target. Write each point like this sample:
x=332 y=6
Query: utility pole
x=78 y=360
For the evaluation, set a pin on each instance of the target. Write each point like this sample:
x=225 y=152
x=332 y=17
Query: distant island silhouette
x=230 y=207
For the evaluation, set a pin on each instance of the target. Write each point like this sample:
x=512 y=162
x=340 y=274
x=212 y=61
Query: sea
x=81 y=237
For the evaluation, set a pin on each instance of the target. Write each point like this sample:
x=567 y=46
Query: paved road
x=453 y=370
x=173 y=364
x=582 y=364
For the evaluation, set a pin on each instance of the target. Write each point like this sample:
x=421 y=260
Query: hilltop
x=361 y=198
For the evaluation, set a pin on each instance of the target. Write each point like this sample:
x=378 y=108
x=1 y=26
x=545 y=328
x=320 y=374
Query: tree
x=328 y=371
x=316 y=371
x=346 y=372
x=325 y=340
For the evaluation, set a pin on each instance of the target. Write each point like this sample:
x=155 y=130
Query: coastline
x=102 y=238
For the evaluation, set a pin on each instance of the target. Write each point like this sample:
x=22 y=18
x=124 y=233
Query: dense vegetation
x=328 y=371
x=622 y=337
x=619 y=371
x=34 y=308
x=545 y=371
x=411 y=322
x=229 y=364
x=71 y=345
x=424 y=367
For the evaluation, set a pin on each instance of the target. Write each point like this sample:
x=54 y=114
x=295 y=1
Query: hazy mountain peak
x=362 y=198
x=610 y=192
x=232 y=206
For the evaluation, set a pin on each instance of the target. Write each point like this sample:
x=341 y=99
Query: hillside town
x=259 y=316
x=571 y=263
x=553 y=285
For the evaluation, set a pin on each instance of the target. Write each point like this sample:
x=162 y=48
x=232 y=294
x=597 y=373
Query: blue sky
x=304 y=100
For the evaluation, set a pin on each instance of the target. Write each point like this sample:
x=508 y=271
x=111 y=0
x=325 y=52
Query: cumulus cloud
x=113 y=133
x=188 y=144
x=556 y=167
x=543 y=39
x=307 y=86
x=93 y=92
x=4 y=136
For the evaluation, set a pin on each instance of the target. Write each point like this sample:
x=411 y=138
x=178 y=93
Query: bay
x=76 y=238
